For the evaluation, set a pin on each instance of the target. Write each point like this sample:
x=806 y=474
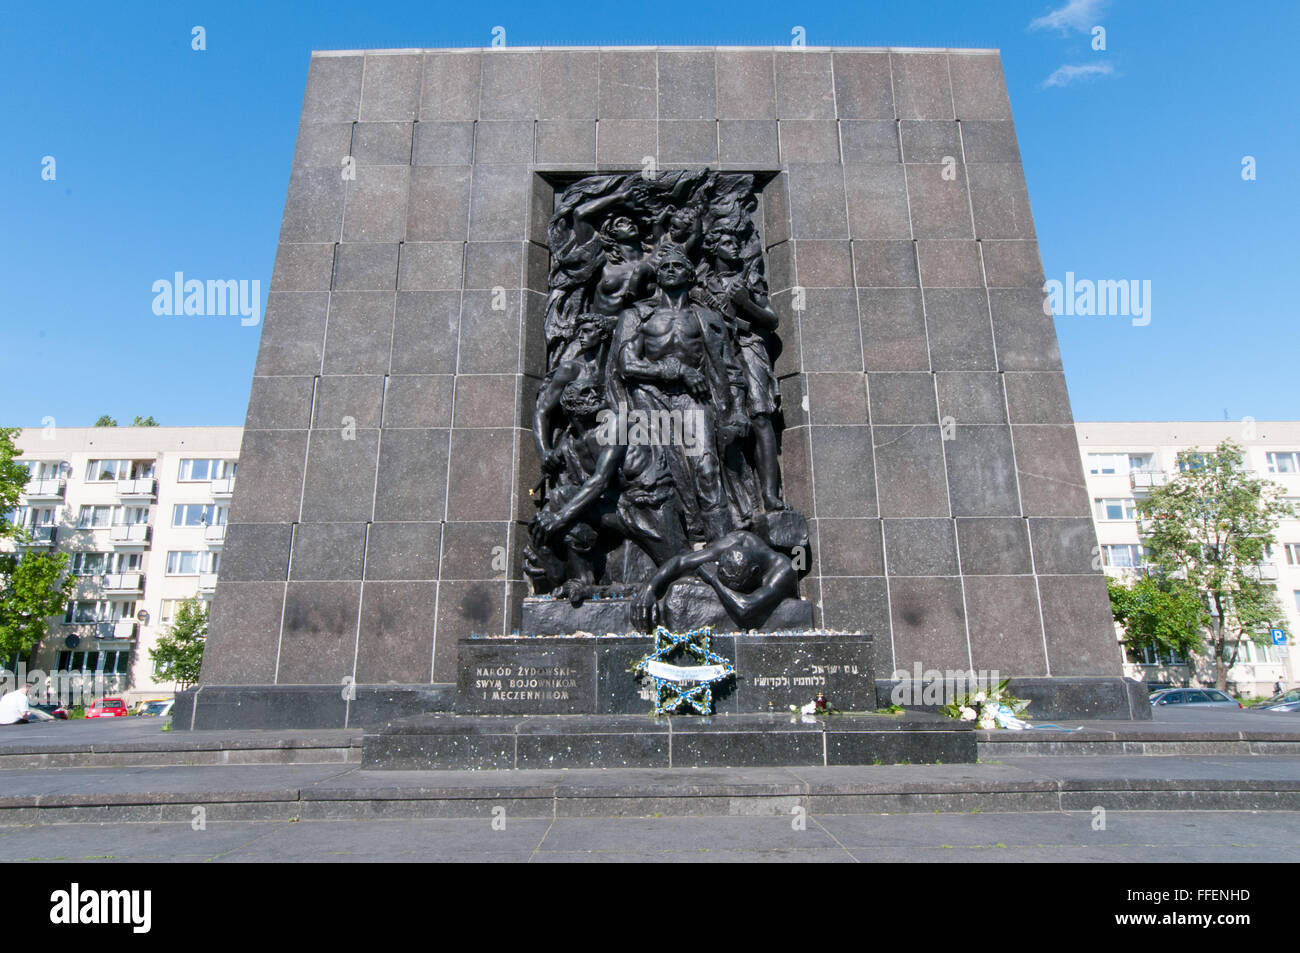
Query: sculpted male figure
x=588 y=363
x=564 y=536
x=673 y=355
x=749 y=577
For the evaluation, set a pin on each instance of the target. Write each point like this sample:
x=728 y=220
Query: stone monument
x=588 y=340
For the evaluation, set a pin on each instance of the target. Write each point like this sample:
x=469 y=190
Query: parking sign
x=1279 y=636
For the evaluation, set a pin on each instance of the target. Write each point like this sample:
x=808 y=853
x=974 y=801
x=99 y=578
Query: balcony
x=1147 y=479
x=207 y=581
x=223 y=488
x=51 y=489
x=215 y=535
x=116 y=630
x=41 y=537
x=123 y=582
x=142 y=488
x=129 y=534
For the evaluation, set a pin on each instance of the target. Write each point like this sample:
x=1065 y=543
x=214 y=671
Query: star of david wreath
x=689 y=687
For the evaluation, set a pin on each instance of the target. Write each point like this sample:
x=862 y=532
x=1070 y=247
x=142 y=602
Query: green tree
x=144 y=421
x=1211 y=527
x=33 y=585
x=179 y=653
x=106 y=421
x=1159 y=613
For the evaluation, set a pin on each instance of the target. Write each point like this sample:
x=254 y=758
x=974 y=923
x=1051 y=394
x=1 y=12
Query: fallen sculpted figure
x=750 y=578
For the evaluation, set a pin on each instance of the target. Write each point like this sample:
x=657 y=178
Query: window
x=1108 y=464
x=1117 y=509
x=189 y=563
x=1297 y=600
x=104 y=471
x=1149 y=656
x=1292 y=554
x=32 y=517
x=95 y=517
x=1292 y=503
x=1123 y=555
x=44 y=469
x=1253 y=652
x=1288 y=462
x=126 y=562
x=1119 y=464
x=112 y=662
x=90 y=564
x=130 y=515
x=199 y=514
x=98 y=610
x=195 y=471
x=1191 y=461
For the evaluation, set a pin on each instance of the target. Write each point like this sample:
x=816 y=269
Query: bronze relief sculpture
x=657 y=423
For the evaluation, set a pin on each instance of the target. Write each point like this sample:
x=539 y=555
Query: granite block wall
x=386 y=464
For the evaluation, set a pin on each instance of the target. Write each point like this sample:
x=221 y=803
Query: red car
x=108 y=708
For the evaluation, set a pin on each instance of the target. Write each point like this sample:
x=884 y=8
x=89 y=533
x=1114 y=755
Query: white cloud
x=1081 y=15
x=1068 y=74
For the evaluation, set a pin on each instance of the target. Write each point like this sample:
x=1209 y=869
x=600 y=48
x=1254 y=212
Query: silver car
x=1194 y=698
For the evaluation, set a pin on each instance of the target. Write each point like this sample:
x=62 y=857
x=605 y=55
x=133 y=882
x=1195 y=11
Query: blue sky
x=172 y=160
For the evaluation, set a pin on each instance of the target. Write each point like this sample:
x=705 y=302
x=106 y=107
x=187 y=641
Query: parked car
x=54 y=711
x=144 y=703
x=108 y=708
x=1282 y=698
x=156 y=709
x=1194 y=698
x=1284 y=706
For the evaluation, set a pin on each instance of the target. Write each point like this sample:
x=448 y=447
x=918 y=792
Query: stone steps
x=311 y=792
x=457 y=742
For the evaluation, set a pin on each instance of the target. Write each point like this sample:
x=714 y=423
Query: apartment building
x=1124 y=461
x=141 y=511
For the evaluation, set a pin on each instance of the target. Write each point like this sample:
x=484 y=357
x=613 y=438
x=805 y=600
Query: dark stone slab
x=746 y=85
x=791 y=744
x=1006 y=632
x=1102 y=698
x=395 y=635
x=921 y=547
x=304 y=706
x=255 y=552
x=909 y=471
x=433 y=742
x=1051 y=699
x=779 y=671
x=545 y=616
x=939 y=745
x=538 y=747
x=773 y=672
x=993 y=546
x=526 y=676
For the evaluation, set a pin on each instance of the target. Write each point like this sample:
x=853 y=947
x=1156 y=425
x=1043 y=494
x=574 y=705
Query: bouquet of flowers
x=994 y=708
